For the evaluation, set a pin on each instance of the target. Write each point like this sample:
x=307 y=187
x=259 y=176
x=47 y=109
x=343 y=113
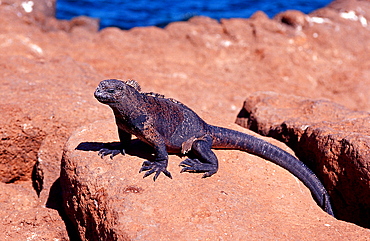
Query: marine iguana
x=171 y=127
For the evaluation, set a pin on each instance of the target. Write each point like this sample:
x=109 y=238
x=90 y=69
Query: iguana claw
x=155 y=167
x=194 y=165
x=112 y=152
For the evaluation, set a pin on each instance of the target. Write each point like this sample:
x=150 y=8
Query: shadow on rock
x=136 y=148
x=55 y=201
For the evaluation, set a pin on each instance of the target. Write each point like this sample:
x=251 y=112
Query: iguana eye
x=111 y=91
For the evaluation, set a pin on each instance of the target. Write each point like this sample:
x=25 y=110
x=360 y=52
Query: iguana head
x=114 y=90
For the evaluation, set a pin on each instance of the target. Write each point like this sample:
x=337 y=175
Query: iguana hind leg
x=205 y=161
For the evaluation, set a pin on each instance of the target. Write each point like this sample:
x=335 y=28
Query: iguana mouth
x=100 y=96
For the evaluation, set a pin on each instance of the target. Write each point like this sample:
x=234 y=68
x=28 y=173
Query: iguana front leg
x=125 y=139
x=161 y=156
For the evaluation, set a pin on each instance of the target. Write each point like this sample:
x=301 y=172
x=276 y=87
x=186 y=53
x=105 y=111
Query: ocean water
x=129 y=14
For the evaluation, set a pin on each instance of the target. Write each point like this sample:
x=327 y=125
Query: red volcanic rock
x=30 y=8
x=293 y=18
x=37 y=116
x=109 y=200
x=24 y=217
x=20 y=141
x=333 y=140
x=50 y=68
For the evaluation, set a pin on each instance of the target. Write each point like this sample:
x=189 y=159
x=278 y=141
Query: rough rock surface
x=333 y=140
x=49 y=70
x=24 y=217
x=109 y=200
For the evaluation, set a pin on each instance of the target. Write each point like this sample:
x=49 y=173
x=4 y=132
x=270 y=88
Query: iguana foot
x=112 y=152
x=155 y=167
x=194 y=165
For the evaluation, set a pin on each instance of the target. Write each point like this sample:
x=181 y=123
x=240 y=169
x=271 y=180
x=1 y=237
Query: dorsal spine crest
x=134 y=84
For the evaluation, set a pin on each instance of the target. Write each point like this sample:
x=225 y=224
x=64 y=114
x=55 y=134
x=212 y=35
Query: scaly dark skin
x=171 y=127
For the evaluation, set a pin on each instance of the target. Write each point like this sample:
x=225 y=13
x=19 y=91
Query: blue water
x=129 y=14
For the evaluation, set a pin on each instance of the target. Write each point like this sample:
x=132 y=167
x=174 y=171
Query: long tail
x=230 y=139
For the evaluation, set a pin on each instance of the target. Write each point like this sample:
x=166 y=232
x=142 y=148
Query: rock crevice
x=331 y=139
